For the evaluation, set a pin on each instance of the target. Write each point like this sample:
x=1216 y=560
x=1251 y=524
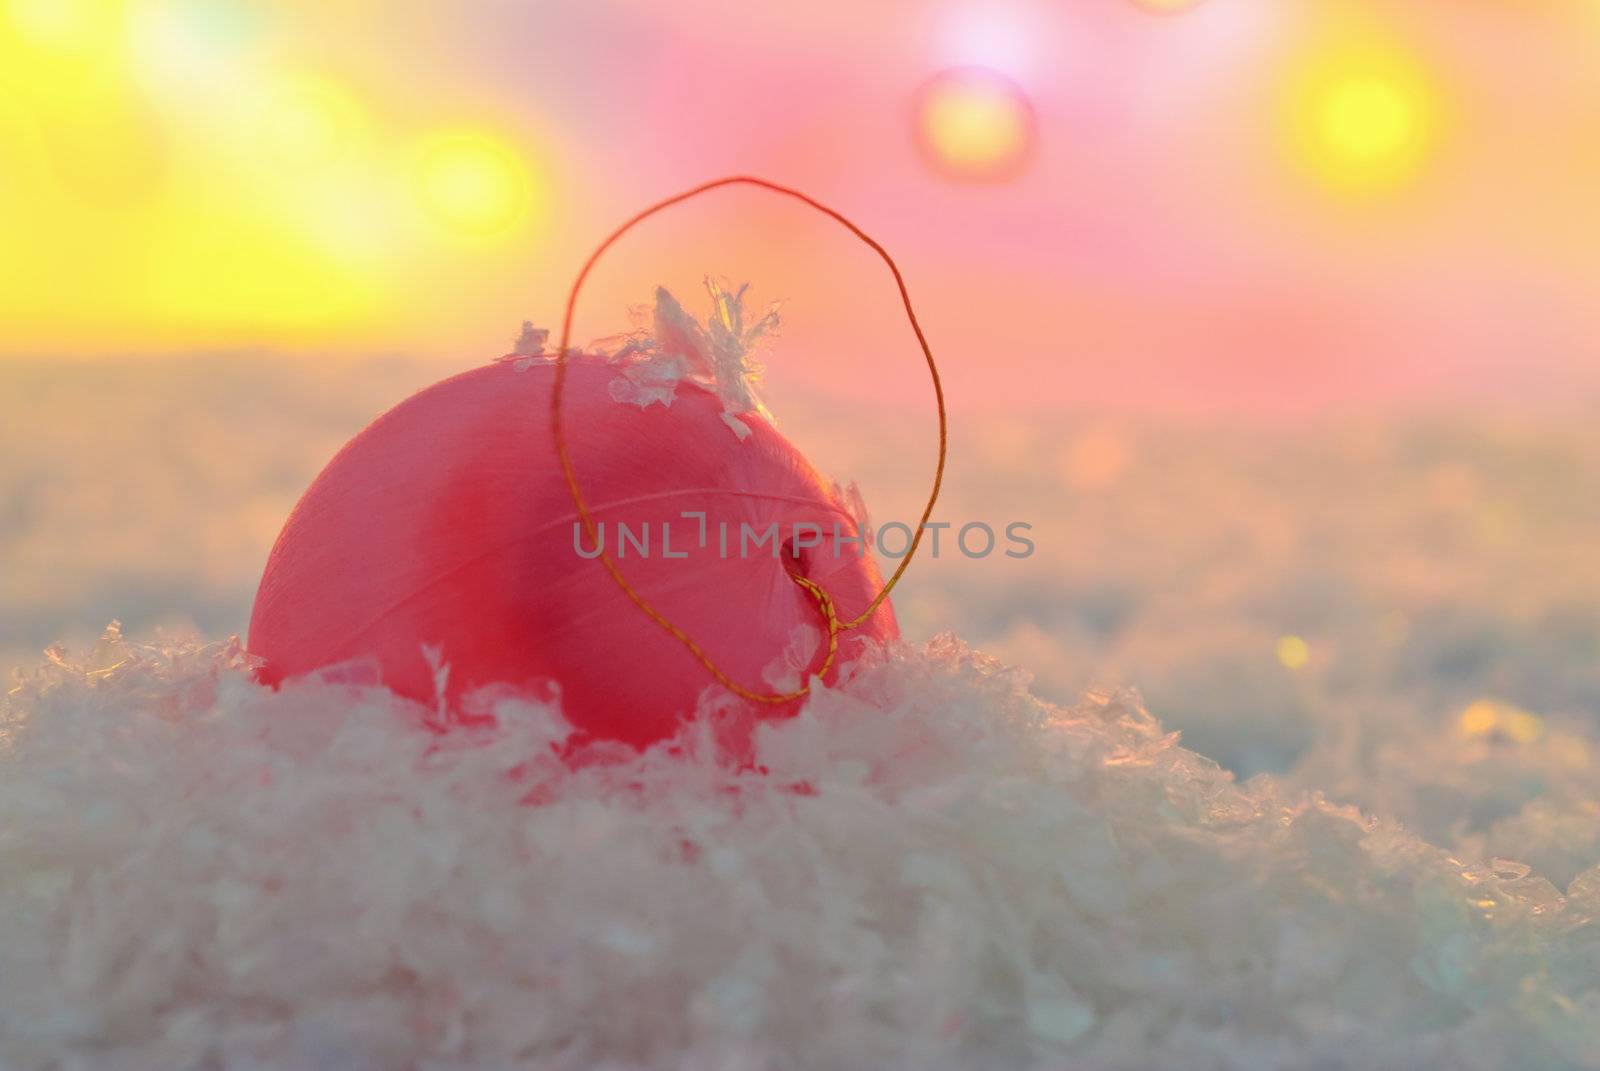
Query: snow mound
x=930 y=869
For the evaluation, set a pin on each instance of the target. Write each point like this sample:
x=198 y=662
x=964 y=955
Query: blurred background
x=1141 y=203
x=1279 y=322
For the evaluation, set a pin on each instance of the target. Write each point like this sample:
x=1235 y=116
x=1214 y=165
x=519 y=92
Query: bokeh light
x=1292 y=652
x=1364 y=118
x=474 y=184
x=1367 y=119
x=1082 y=150
x=975 y=124
x=1486 y=717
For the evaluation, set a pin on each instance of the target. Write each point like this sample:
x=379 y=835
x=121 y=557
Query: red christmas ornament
x=630 y=529
x=447 y=526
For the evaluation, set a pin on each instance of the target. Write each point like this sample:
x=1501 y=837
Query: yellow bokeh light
x=475 y=185
x=975 y=124
x=1364 y=116
x=1292 y=652
x=1367 y=119
x=1491 y=717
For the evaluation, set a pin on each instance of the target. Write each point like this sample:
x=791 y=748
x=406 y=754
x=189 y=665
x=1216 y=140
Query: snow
x=944 y=866
x=719 y=355
x=931 y=869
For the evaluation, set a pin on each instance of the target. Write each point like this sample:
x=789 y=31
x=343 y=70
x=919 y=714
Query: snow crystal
x=531 y=342
x=718 y=355
x=928 y=868
x=787 y=672
x=647 y=382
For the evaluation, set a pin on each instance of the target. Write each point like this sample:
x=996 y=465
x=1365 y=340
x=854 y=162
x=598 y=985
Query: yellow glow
x=1479 y=718
x=1487 y=716
x=129 y=220
x=106 y=151
x=975 y=124
x=307 y=123
x=354 y=219
x=1367 y=119
x=246 y=278
x=1522 y=727
x=71 y=126
x=65 y=60
x=304 y=150
x=474 y=184
x=1293 y=652
x=65 y=24
x=1364 y=116
x=169 y=183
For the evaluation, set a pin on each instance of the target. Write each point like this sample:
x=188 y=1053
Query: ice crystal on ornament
x=528 y=350
x=718 y=355
x=531 y=342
